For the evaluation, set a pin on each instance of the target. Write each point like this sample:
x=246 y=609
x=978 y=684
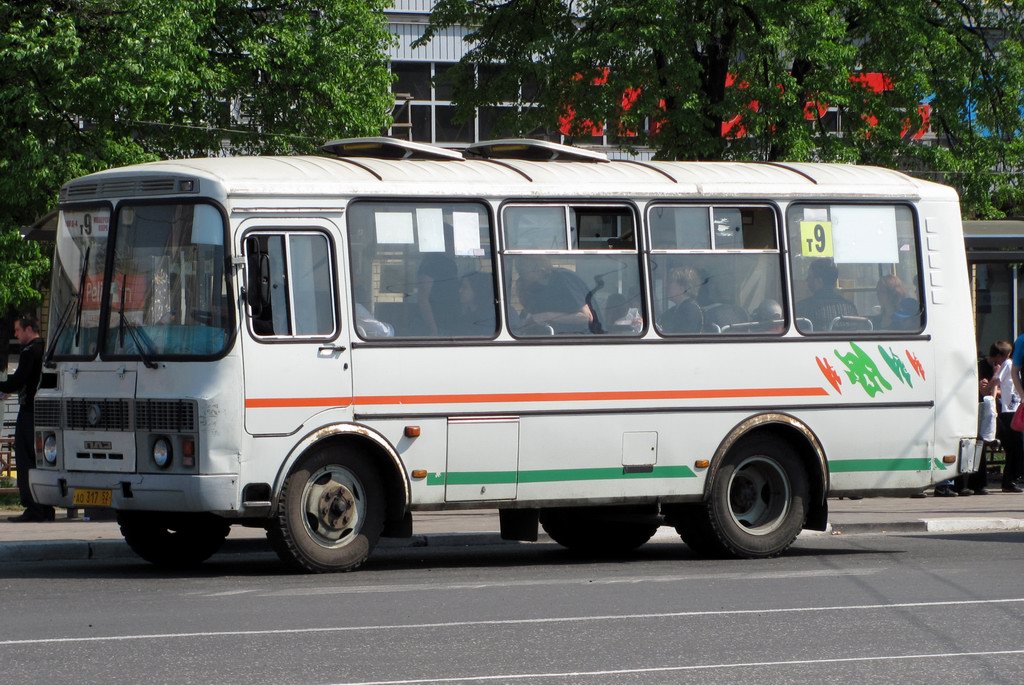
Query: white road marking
x=506 y=622
x=696 y=667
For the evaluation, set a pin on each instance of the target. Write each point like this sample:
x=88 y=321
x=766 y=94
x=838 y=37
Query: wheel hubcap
x=759 y=494
x=333 y=506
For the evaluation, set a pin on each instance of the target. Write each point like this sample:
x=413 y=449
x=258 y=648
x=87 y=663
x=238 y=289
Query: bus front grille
x=165 y=416
x=47 y=413
x=109 y=415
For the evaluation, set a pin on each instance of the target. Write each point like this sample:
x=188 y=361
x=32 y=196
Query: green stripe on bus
x=939 y=466
x=481 y=477
x=554 y=475
x=860 y=465
x=614 y=473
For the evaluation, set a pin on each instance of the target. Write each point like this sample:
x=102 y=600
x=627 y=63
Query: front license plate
x=88 y=497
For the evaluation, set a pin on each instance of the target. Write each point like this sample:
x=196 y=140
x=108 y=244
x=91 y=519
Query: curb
x=86 y=550
x=963 y=525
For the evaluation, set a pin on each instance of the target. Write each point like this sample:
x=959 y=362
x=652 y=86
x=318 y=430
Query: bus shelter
x=995 y=260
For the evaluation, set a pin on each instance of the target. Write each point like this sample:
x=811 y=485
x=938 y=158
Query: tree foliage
x=688 y=77
x=90 y=84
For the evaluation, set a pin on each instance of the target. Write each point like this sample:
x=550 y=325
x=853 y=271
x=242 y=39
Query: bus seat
x=722 y=315
x=851 y=324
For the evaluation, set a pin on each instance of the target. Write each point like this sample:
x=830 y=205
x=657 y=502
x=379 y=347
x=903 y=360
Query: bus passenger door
x=296 y=350
x=483 y=458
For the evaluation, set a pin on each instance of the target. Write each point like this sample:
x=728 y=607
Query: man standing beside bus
x=25 y=381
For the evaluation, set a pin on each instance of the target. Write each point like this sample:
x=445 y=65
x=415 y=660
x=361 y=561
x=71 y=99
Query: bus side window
x=716 y=269
x=572 y=270
x=422 y=270
x=855 y=268
x=297 y=290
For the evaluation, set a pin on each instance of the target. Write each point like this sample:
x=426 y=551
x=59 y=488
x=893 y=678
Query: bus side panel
x=585 y=429
x=951 y=325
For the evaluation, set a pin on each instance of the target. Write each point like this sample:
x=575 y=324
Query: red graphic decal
x=830 y=374
x=916 y=364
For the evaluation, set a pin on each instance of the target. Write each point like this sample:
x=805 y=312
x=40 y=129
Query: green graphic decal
x=862 y=370
x=554 y=475
x=896 y=365
x=939 y=466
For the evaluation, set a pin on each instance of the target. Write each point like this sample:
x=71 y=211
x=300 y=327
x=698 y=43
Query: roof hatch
x=388 y=148
x=537 y=150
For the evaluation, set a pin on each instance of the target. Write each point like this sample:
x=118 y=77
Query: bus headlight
x=50 y=448
x=162 y=453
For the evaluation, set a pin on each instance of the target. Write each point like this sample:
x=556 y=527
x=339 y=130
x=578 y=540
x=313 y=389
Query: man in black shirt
x=554 y=296
x=25 y=381
x=825 y=303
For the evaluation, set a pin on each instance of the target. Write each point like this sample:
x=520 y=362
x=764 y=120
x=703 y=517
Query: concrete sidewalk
x=80 y=539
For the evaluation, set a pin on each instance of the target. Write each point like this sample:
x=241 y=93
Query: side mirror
x=257 y=272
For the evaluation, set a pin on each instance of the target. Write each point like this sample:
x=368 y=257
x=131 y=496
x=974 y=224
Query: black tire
x=594 y=532
x=693 y=526
x=758 y=500
x=330 y=513
x=174 y=541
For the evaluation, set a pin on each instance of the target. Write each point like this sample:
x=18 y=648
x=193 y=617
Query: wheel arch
x=365 y=440
x=801 y=438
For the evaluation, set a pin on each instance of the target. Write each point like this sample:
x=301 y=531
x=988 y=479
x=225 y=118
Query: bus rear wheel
x=173 y=540
x=595 y=532
x=758 y=501
x=330 y=513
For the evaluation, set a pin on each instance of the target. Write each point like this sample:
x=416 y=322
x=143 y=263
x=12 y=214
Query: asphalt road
x=838 y=609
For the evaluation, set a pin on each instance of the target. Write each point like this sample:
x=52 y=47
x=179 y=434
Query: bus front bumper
x=217 y=494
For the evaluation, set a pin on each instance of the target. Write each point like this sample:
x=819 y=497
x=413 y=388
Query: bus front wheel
x=330 y=513
x=173 y=540
x=758 y=501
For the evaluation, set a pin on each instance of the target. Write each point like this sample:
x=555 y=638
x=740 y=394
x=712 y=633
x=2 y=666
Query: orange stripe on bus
x=733 y=393
x=593 y=396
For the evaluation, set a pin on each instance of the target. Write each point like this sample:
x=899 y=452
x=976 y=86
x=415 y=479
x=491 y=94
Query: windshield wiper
x=142 y=342
x=65 y=315
x=62 y=322
x=81 y=296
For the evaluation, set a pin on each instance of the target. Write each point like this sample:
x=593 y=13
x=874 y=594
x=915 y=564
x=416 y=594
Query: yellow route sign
x=816 y=238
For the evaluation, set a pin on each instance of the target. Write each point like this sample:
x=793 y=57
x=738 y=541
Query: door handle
x=330 y=348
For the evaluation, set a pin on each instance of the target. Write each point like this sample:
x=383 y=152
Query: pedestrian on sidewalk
x=989 y=368
x=25 y=382
x=1011 y=386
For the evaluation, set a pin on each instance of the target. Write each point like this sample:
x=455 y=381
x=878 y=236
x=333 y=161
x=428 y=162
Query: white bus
x=321 y=346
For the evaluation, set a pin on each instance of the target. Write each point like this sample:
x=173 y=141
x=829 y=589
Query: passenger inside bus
x=552 y=296
x=476 y=305
x=685 y=315
x=370 y=327
x=825 y=303
x=437 y=294
x=900 y=312
x=769 y=317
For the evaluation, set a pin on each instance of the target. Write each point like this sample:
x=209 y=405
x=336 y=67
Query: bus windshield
x=168 y=288
x=77 y=280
